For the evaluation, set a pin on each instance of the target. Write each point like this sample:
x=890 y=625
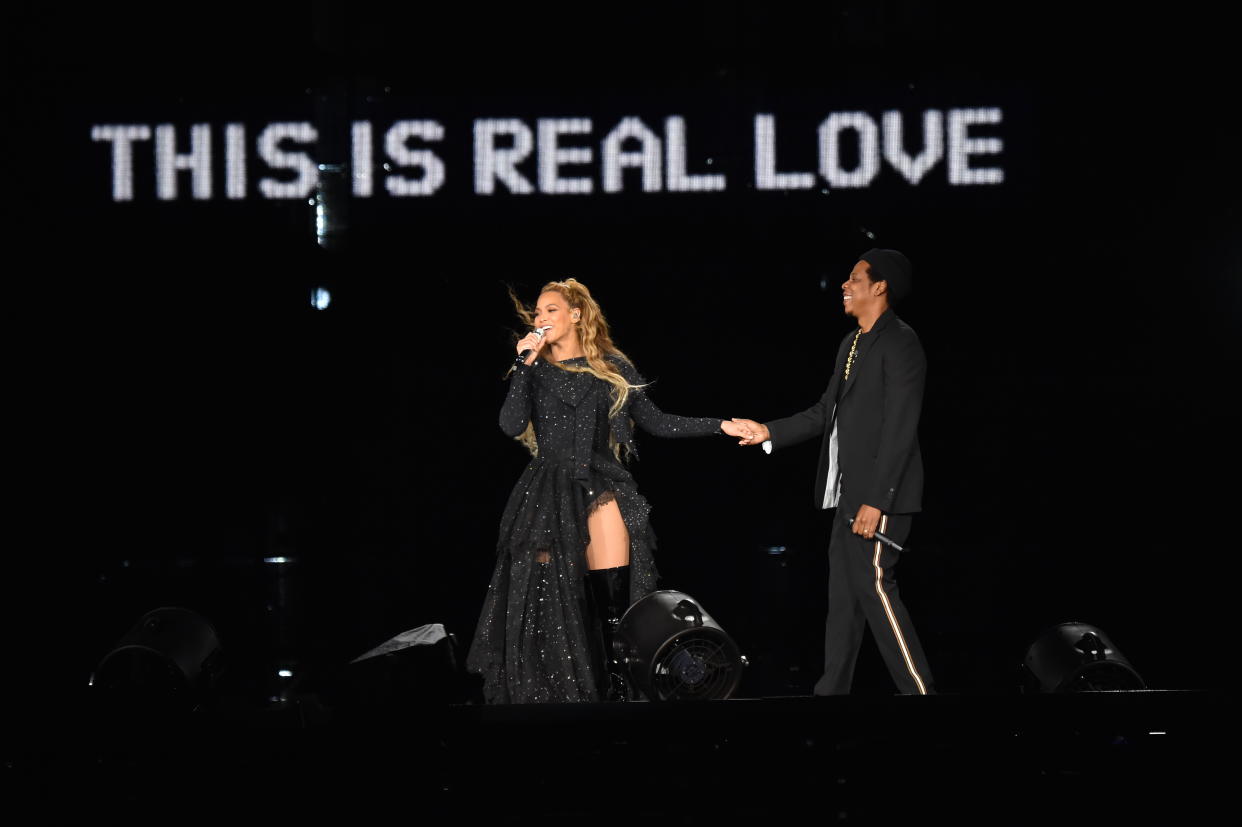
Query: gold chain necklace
x=853 y=350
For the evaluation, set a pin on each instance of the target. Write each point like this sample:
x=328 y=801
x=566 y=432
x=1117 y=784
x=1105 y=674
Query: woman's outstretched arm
x=654 y=421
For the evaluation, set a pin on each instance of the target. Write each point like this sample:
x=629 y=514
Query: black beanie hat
x=892 y=267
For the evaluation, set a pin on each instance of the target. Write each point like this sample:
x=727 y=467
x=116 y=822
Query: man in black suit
x=870 y=470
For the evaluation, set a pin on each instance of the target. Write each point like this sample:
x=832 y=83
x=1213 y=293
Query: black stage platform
x=1115 y=758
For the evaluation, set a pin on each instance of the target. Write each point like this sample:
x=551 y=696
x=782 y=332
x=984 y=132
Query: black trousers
x=862 y=591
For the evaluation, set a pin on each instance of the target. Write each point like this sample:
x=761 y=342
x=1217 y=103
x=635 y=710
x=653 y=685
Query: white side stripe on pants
x=888 y=610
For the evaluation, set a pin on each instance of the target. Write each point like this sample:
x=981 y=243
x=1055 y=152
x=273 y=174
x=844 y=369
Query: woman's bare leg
x=609 y=542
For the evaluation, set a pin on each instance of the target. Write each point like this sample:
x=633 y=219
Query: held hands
x=748 y=431
x=534 y=343
x=735 y=429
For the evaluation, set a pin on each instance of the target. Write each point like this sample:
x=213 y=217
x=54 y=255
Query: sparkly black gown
x=535 y=642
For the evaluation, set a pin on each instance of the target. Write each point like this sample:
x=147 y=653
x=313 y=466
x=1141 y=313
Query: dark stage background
x=185 y=413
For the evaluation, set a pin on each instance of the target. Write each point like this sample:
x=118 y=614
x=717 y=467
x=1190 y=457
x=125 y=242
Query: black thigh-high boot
x=610 y=589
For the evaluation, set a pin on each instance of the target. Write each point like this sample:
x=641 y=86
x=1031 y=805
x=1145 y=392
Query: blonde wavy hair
x=597 y=345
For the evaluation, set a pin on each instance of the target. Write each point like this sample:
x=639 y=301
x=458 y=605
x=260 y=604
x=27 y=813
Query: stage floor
x=1131 y=757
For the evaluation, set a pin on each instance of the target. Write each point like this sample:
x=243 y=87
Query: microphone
x=885 y=540
x=539 y=331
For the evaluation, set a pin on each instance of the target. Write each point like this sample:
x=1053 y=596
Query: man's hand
x=866 y=521
x=752 y=432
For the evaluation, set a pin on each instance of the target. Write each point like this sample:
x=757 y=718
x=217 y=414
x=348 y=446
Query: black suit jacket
x=877 y=418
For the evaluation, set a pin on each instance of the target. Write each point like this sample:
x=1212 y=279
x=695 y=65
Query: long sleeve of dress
x=658 y=423
x=516 y=410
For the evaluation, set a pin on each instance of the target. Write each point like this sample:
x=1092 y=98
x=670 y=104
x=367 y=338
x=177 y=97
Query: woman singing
x=575 y=550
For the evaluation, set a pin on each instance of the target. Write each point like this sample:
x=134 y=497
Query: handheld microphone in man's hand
x=539 y=331
x=886 y=541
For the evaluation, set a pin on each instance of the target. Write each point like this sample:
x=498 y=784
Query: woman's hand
x=749 y=431
x=533 y=342
x=734 y=429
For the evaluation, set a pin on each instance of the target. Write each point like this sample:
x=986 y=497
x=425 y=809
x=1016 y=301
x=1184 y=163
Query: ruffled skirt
x=536 y=641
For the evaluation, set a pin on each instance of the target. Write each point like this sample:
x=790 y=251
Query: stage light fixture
x=170 y=660
x=321 y=298
x=1078 y=657
x=331 y=202
x=674 y=650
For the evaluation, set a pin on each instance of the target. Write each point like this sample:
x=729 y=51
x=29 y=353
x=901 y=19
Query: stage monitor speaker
x=170 y=659
x=417 y=667
x=1078 y=657
x=675 y=651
